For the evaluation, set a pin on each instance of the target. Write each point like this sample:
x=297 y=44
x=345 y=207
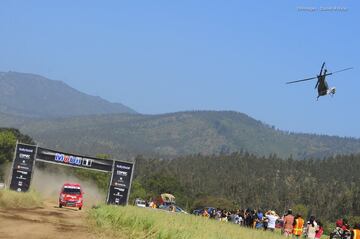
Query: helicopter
x=321 y=84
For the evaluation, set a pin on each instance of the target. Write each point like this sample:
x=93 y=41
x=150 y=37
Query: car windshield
x=72 y=190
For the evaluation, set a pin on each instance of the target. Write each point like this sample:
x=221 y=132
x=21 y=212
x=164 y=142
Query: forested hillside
x=175 y=134
x=326 y=188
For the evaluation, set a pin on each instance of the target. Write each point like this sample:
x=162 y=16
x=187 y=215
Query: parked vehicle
x=71 y=195
x=200 y=211
x=140 y=202
x=172 y=208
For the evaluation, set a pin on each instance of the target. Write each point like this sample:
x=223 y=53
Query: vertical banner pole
x=112 y=174
x=131 y=178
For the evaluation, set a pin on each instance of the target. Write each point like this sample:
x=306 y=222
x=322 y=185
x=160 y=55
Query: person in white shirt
x=272 y=217
x=311 y=228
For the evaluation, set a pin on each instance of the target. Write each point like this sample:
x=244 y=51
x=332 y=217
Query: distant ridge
x=33 y=95
x=177 y=134
x=58 y=116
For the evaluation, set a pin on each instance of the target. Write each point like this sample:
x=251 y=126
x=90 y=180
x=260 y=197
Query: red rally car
x=71 y=195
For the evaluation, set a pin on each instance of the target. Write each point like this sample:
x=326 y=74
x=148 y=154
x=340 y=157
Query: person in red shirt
x=320 y=230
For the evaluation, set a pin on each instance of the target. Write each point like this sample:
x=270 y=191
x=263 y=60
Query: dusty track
x=43 y=223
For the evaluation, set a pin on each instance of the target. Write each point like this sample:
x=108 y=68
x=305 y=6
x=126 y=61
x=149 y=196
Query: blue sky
x=167 y=56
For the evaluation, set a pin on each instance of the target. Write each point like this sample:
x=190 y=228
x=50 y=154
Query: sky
x=168 y=56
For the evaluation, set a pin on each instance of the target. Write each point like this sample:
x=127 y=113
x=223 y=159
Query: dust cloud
x=5 y=172
x=49 y=183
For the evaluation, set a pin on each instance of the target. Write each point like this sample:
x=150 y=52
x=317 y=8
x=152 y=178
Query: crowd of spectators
x=292 y=226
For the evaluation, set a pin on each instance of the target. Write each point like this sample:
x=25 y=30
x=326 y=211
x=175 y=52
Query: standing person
x=272 y=217
x=206 y=213
x=338 y=231
x=259 y=220
x=355 y=233
x=265 y=223
x=311 y=228
x=249 y=220
x=298 y=226
x=223 y=216
x=288 y=223
x=320 y=230
x=213 y=213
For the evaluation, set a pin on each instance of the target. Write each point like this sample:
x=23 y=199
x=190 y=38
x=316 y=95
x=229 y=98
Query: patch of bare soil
x=49 y=222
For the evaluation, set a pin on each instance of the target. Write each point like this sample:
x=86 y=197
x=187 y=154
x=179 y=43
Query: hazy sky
x=167 y=56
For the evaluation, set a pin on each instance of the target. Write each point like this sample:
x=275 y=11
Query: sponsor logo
x=120 y=179
x=26 y=150
x=119 y=184
x=86 y=162
x=22 y=172
x=68 y=159
x=23 y=167
x=120 y=189
x=123 y=167
x=121 y=173
x=117 y=194
x=21 y=177
x=24 y=156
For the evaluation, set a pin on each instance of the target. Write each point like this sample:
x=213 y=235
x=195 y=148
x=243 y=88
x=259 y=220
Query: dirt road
x=49 y=222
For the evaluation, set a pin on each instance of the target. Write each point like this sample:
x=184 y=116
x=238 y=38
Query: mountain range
x=36 y=96
x=80 y=123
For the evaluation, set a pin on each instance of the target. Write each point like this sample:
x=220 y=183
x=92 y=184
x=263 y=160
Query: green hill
x=170 y=135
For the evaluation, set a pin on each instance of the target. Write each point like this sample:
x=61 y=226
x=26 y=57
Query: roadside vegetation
x=327 y=189
x=12 y=199
x=132 y=222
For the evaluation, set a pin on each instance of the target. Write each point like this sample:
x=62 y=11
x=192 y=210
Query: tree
x=7 y=146
x=137 y=191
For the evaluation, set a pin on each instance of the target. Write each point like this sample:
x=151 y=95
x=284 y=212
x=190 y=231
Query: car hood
x=71 y=197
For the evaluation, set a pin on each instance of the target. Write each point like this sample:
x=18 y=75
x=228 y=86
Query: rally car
x=71 y=195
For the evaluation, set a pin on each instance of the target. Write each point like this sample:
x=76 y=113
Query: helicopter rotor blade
x=317 y=83
x=311 y=78
x=327 y=74
x=349 y=68
x=322 y=67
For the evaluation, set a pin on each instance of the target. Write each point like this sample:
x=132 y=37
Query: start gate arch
x=26 y=155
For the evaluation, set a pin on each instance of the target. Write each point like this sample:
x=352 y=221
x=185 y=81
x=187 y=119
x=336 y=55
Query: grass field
x=132 y=222
x=11 y=199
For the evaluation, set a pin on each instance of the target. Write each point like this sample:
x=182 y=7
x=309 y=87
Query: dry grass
x=132 y=222
x=12 y=199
